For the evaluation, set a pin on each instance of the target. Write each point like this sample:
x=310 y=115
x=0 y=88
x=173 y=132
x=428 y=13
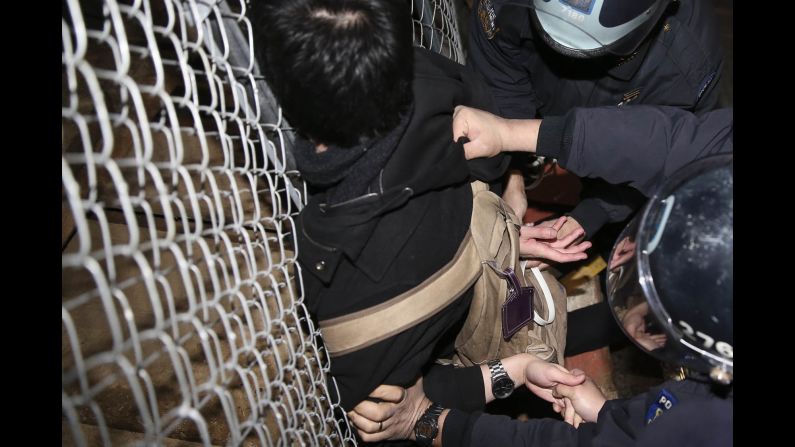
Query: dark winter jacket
x=679 y=65
x=362 y=252
x=656 y=142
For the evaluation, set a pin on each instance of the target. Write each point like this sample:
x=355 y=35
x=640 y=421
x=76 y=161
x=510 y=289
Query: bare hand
x=585 y=400
x=570 y=415
x=624 y=251
x=634 y=322
x=541 y=377
x=571 y=226
x=484 y=130
x=394 y=417
x=542 y=244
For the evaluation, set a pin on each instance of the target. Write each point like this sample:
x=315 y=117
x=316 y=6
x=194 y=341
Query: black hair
x=341 y=69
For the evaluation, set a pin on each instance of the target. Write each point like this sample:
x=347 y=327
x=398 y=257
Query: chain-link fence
x=436 y=27
x=183 y=320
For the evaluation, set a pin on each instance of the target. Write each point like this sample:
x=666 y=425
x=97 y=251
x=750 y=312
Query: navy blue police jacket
x=679 y=65
x=698 y=414
x=674 y=138
x=686 y=413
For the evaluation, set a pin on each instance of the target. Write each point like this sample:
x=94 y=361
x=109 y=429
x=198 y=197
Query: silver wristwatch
x=501 y=383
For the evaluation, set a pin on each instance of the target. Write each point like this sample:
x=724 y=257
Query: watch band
x=501 y=383
x=496 y=369
x=427 y=426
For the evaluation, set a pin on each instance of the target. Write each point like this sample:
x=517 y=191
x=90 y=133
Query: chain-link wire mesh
x=436 y=27
x=183 y=321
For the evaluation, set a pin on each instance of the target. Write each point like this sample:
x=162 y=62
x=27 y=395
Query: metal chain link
x=182 y=312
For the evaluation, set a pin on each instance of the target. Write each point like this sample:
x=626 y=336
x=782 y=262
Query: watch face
x=426 y=429
x=502 y=388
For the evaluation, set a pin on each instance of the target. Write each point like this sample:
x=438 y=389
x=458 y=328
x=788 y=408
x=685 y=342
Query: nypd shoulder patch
x=487 y=18
x=665 y=401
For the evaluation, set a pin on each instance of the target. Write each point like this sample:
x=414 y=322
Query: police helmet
x=592 y=28
x=670 y=279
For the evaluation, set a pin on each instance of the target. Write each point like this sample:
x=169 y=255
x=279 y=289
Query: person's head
x=593 y=28
x=340 y=69
x=674 y=297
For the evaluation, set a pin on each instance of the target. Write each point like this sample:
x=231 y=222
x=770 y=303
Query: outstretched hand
x=541 y=377
x=634 y=322
x=540 y=243
x=624 y=251
x=572 y=226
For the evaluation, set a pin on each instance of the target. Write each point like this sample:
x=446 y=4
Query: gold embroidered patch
x=487 y=17
x=629 y=96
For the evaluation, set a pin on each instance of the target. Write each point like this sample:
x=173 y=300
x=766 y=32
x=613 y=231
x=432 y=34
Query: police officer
x=670 y=288
x=585 y=146
x=544 y=57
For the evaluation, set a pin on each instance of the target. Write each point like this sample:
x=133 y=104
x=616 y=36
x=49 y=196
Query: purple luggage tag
x=517 y=311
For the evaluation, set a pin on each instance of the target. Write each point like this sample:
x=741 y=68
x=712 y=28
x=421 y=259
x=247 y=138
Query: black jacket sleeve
x=697 y=414
x=448 y=84
x=636 y=145
x=602 y=203
x=487 y=430
x=489 y=170
x=443 y=384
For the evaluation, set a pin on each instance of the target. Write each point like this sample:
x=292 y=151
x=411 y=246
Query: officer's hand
x=483 y=129
x=586 y=400
x=570 y=415
x=392 y=418
x=541 y=377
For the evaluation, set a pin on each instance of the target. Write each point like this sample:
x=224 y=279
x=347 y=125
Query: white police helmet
x=670 y=273
x=592 y=28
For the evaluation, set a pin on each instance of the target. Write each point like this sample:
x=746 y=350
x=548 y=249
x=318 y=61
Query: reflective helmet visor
x=670 y=283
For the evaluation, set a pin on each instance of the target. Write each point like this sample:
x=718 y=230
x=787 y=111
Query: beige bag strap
x=367 y=327
x=358 y=330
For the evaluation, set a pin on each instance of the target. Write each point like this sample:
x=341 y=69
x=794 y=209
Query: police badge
x=487 y=16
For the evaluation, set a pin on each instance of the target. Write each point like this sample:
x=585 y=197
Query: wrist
x=529 y=359
x=438 y=441
x=515 y=181
x=419 y=410
x=513 y=368
x=520 y=135
x=516 y=366
x=427 y=429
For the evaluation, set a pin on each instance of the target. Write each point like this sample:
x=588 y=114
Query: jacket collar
x=326 y=233
x=626 y=68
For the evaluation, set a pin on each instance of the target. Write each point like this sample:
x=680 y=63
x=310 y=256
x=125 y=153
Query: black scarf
x=345 y=173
